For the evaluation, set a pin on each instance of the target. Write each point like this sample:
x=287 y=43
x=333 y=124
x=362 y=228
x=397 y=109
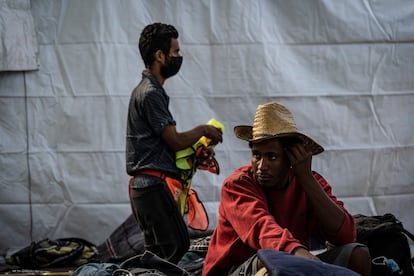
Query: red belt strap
x=153 y=173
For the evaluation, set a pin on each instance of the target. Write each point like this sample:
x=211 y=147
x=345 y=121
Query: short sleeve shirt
x=148 y=115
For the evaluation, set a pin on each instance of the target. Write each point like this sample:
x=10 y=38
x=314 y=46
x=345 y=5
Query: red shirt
x=251 y=218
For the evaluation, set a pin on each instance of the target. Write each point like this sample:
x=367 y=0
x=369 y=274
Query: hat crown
x=272 y=119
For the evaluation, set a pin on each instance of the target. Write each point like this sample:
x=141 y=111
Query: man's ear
x=159 y=56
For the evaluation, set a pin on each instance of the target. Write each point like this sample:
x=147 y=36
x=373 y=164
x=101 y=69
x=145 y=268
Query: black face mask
x=171 y=67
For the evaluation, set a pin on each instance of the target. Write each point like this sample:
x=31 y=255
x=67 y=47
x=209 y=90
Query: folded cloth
x=279 y=263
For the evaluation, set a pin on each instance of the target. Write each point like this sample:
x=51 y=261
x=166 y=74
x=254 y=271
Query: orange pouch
x=197 y=215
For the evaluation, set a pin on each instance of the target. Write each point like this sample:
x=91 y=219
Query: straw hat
x=273 y=120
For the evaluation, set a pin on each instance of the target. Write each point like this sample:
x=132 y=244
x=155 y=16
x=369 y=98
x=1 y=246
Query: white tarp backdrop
x=18 y=50
x=345 y=69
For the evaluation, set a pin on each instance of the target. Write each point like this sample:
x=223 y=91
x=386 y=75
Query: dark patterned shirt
x=148 y=115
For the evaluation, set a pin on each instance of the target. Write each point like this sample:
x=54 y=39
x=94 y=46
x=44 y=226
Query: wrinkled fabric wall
x=345 y=69
x=18 y=47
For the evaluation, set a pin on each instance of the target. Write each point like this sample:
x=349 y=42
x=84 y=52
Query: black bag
x=387 y=241
x=65 y=252
x=127 y=240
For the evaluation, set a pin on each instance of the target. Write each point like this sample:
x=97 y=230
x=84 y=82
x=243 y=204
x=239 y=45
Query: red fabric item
x=250 y=219
x=197 y=215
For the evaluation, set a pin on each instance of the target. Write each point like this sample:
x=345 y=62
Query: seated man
x=279 y=203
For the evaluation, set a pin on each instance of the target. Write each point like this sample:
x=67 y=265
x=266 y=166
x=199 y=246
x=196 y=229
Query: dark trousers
x=165 y=231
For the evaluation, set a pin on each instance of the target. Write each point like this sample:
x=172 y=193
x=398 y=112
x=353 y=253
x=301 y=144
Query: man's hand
x=300 y=157
x=302 y=252
x=214 y=134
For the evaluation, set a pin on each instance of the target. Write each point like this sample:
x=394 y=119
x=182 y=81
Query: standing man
x=152 y=141
x=277 y=202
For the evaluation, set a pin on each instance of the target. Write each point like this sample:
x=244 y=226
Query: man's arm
x=330 y=215
x=304 y=253
x=181 y=140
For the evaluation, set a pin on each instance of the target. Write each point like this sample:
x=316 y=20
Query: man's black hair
x=154 y=37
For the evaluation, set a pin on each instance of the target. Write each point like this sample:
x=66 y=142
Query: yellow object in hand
x=213 y=122
x=183 y=157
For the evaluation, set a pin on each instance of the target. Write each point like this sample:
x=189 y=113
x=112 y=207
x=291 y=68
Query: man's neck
x=154 y=70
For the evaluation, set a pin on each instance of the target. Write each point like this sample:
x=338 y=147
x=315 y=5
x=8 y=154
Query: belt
x=155 y=173
x=152 y=173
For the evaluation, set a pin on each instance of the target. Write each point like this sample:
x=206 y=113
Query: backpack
x=387 y=241
x=65 y=252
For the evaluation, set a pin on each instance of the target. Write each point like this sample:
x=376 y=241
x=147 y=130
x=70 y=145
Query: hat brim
x=246 y=133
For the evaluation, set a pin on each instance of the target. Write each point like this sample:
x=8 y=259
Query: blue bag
x=279 y=263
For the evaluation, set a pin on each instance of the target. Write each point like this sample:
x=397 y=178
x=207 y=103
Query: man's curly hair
x=154 y=37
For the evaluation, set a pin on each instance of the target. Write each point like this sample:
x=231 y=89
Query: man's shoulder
x=318 y=176
x=146 y=90
x=245 y=169
x=243 y=173
x=145 y=86
x=322 y=181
